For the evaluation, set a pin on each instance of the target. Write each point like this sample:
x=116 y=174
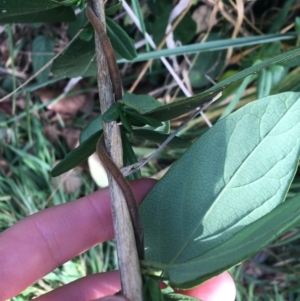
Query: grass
x=27 y=154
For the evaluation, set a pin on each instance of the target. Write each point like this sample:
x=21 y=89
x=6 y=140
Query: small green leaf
x=281 y=16
x=125 y=122
x=160 y=138
x=297 y=24
x=113 y=9
x=264 y=83
x=143 y=120
x=203 y=65
x=164 y=128
x=120 y=40
x=94 y=126
x=186 y=29
x=84 y=52
x=77 y=155
x=141 y=103
x=129 y=157
x=42 y=52
x=113 y=113
x=87 y=34
x=158 y=27
x=278 y=74
x=178 y=108
x=151 y=290
x=77 y=60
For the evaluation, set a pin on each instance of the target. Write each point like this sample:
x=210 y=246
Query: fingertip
x=219 y=288
x=141 y=187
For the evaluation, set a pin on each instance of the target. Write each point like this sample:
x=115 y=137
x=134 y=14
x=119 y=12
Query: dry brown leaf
x=70 y=181
x=201 y=16
x=69 y=105
x=71 y=136
x=51 y=133
x=4 y=167
x=6 y=107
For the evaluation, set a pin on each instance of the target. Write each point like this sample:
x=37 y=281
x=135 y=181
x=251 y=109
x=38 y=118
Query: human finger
x=219 y=288
x=87 y=288
x=97 y=286
x=43 y=241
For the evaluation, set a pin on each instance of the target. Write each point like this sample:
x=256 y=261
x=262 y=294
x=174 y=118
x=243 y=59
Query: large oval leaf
x=239 y=247
x=236 y=173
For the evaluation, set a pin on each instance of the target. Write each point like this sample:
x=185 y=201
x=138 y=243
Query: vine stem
x=129 y=266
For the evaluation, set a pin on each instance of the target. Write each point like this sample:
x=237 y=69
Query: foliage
x=232 y=181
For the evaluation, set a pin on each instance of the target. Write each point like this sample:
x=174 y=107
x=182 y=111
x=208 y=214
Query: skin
x=41 y=242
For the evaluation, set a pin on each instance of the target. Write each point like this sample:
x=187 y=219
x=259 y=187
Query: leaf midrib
x=231 y=179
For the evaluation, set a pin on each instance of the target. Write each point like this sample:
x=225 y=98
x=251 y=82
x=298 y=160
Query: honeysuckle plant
x=225 y=198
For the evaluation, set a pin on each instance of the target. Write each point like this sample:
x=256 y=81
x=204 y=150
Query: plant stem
x=129 y=266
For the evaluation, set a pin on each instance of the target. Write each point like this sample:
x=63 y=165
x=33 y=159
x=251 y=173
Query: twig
x=127 y=256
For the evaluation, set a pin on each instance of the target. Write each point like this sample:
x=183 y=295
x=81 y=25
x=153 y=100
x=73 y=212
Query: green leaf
x=186 y=29
x=42 y=52
x=178 y=297
x=141 y=120
x=141 y=103
x=33 y=11
x=80 y=60
x=78 y=3
x=241 y=246
x=152 y=291
x=129 y=157
x=158 y=28
x=160 y=138
x=203 y=66
x=94 y=126
x=207 y=63
x=120 y=40
x=236 y=173
x=113 y=9
x=125 y=122
x=77 y=155
x=77 y=60
x=264 y=83
x=238 y=94
x=281 y=17
x=297 y=24
x=175 y=109
x=164 y=128
x=113 y=113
